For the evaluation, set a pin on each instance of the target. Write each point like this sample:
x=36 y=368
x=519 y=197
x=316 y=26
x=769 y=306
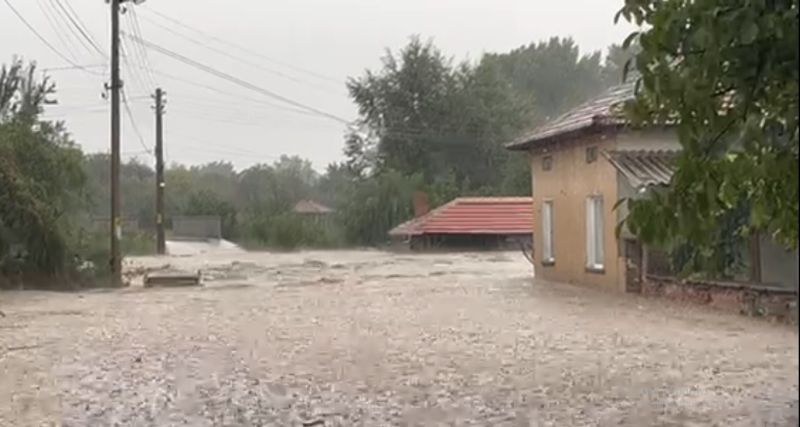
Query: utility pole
x=115 y=86
x=161 y=246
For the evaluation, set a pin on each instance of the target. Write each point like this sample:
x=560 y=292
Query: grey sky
x=332 y=39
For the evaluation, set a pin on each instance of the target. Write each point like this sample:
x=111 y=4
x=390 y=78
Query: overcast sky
x=301 y=49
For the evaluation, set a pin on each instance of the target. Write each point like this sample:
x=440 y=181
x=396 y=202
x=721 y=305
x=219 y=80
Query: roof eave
x=596 y=126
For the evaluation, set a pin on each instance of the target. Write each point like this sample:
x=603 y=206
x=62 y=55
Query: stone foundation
x=751 y=300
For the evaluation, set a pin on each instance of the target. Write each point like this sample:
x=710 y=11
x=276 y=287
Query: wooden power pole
x=115 y=86
x=161 y=246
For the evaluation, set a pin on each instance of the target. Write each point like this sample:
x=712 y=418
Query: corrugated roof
x=603 y=110
x=474 y=215
x=311 y=207
x=643 y=168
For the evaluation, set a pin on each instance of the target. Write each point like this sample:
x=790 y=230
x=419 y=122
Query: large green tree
x=727 y=74
x=423 y=114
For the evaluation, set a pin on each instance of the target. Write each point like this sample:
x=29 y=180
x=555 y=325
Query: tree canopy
x=727 y=75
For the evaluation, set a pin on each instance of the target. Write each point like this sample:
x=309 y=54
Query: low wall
x=747 y=299
x=196 y=227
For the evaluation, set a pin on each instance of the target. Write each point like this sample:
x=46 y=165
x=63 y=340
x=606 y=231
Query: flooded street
x=371 y=338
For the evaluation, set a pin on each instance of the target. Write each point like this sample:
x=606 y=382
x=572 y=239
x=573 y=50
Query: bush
x=92 y=251
x=289 y=231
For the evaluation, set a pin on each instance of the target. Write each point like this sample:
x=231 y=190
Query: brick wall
x=750 y=300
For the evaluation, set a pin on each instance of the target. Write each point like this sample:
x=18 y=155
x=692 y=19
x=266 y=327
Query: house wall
x=570 y=181
x=648 y=139
x=568 y=184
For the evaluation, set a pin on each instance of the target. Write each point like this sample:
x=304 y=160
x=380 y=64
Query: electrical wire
x=240 y=59
x=235 y=110
x=46 y=43
x=233 y=79
x=69 y=30
x=132 y=70
x=133 y=123
x=56 y=28
x=74 y=67
x=214 y=148
x=228 y=93
x=242 y=48
x=78 y=25
x=133 y=20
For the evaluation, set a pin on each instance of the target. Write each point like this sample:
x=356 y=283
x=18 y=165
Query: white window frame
x=548 y=249
x=595 y=239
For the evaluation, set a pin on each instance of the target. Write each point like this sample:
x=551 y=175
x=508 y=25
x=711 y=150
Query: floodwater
x=377 y=339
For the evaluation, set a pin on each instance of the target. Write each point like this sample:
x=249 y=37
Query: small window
x=591 y=154
x=594 y=233
x=547 y=163
x=547 y=233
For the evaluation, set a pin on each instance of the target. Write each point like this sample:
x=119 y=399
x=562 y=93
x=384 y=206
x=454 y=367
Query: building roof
x=311 y=207
x=643 y=168
x=601 y=111
x=474 y=215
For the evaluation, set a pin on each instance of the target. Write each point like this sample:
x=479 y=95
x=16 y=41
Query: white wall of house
x=648 y=139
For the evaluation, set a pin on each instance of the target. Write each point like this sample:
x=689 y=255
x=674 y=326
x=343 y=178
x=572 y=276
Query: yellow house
x=582 y=164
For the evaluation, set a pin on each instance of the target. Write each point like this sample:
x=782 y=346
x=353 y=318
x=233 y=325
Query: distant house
x=312 y=210
x=582 y=164
x=470 y=222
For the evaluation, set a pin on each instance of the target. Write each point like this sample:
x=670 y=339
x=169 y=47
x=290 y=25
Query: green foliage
x=289 y=231
x=137 y=185
x=555 y=76
x=205 y=202
x=728 y=75
x=376 y=205
x=40 y=177
x=420 y=113
x=426 y=124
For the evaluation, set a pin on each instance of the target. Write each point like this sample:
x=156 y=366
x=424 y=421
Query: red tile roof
x=474 y=215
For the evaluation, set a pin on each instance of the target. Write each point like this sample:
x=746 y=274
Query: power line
x=133 y=123
x=217 y=119
x=227 y=93
x=244 y=49
x=134 y=71
x=75 y=21
x=214 y=149
x=237 y=58
x=43 y=40
x=56 y=28
x=232 y=79
x=74 y=67
x=238 y=111
x=133 y=19
x=66 y=20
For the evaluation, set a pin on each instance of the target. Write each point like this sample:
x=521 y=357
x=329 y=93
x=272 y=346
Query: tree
x=553 y=74
x=405 y=105
x=727 y=75
x=430 y=117
x=206 y=202
x=376 y=205
x=41 y=179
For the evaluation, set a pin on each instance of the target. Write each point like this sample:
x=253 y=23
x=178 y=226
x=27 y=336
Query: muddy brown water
x=371 y=338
